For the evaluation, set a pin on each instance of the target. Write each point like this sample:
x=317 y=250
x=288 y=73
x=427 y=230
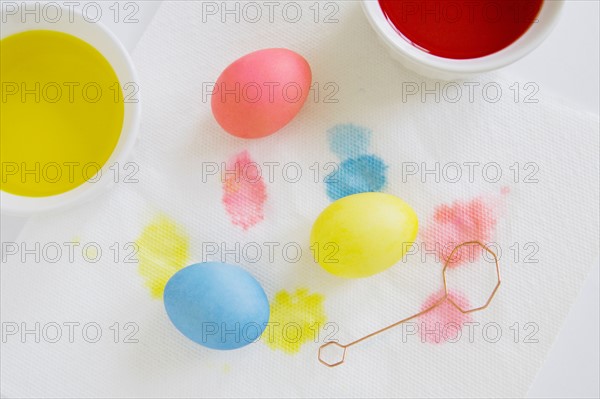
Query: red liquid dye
x=461 y=29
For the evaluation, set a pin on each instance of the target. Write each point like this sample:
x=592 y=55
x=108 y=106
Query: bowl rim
x=19 y=205
x=532 y=38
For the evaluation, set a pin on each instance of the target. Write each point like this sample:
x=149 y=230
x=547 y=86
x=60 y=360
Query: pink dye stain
x=460 y=222
x=445 y=321
x=244 y=191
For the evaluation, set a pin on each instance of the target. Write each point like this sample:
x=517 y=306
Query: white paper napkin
x=540 y=215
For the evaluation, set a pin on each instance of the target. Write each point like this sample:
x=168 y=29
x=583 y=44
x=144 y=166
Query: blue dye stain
x=359 y=171
x=363 y=174
x=349 y=140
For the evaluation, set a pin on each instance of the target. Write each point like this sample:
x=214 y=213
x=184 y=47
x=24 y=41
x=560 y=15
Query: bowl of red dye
x=450 y=39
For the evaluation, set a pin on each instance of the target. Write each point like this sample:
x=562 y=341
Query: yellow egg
x=363 y=234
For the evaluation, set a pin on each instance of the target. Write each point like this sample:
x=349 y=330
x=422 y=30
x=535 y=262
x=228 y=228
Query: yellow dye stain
x=295 y=319
x=91 y=252
x=163 y=249
x=232 y=184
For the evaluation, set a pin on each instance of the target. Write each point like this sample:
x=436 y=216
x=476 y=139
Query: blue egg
x=217 y=305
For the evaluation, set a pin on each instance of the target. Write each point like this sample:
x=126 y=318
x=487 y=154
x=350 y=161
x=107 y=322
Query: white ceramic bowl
x=106 y=43
x=445 y=68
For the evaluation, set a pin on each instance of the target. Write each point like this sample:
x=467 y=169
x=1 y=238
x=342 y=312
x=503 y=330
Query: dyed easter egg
x=363 y=234
x=261 y=92
x=217 y=305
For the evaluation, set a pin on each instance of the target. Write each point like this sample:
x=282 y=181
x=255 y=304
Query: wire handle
x=445 y=298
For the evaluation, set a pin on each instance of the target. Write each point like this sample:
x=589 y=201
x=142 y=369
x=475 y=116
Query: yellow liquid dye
x=61 y=112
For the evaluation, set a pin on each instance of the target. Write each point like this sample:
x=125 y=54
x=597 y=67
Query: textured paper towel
x=548 y=213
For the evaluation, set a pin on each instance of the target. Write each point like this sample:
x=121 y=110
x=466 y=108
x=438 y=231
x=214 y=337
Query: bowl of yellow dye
x=69 y=110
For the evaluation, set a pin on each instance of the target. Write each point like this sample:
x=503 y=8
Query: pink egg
x=261 y=92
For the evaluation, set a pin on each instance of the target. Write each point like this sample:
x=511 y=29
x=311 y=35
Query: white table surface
x=567 y=64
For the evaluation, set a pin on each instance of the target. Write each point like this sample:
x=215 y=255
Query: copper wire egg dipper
x=445 y=298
